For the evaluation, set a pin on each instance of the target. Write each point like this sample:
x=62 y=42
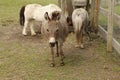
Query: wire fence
x=103 y=20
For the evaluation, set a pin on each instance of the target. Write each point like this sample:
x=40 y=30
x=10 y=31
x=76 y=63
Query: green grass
x=117 y=9
x=28 y=58
x=103 y=19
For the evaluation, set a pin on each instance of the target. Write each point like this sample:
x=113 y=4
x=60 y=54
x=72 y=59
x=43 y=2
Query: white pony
x=35 y=12
x=80 y=22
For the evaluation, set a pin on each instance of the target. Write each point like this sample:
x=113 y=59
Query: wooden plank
x=110 y=25
x=103 y=34
x=92 y=13
x=116 y=17
x=96 y=11
x=116 y=45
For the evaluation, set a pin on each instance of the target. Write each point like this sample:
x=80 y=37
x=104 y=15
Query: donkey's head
x=52 y=29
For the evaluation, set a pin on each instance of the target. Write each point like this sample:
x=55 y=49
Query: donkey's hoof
x=52 y=65
x=62 y=63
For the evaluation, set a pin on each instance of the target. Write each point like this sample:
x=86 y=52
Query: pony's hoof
x=52 y=65
x=82 y=46
x=62 y=63
x=33 y=34
x=25 y=34
x=77 y=46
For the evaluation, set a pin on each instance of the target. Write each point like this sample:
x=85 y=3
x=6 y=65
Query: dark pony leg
x=87 y=31
x=57 y=54
x=52 y=53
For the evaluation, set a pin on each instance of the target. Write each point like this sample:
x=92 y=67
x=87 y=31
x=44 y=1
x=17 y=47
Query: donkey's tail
x=22 y=16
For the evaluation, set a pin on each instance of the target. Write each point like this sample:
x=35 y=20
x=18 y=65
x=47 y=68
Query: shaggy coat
x=56 y=30
x=80 y=22
x=35 y=12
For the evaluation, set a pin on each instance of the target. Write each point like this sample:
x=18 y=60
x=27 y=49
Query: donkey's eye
x=47 y=30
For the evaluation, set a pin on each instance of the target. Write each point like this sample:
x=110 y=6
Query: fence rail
x=103 y=33
x=116 y=17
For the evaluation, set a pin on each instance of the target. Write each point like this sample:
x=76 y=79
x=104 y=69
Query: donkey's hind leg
x=32 y=29
x=25 y=27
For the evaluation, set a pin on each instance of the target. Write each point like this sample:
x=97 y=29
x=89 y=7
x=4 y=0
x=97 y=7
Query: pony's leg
x=52 y=53
x=88 y=33
x=57 y=54
x=81 y=39
x=25 y=27
x=77 y=39
x=32 y=29
x=61 y=56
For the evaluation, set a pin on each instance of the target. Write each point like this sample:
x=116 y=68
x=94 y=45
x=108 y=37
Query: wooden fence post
x=96 y=12
x=110 y=25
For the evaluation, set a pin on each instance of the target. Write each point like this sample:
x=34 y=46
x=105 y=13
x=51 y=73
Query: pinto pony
x=35 y=12
x=56 y=30
x=80 y=24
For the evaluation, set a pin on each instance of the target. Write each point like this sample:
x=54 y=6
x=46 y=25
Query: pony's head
x=52 y=28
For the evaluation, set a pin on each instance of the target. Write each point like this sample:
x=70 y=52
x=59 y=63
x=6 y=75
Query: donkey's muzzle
x=52 y=44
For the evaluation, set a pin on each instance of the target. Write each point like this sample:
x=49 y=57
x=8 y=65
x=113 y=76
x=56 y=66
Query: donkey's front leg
x=62 y=56
x=57 y=52
x=52 y=54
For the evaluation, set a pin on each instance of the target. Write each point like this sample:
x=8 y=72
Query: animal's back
x=41 y=11
x=79 y=18
x=30 y=9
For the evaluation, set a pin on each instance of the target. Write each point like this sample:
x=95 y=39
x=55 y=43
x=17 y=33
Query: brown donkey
x=56 y=30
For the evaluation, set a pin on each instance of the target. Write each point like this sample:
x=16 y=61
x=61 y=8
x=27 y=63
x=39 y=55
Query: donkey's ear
x=58 y=16
x=46 y=16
